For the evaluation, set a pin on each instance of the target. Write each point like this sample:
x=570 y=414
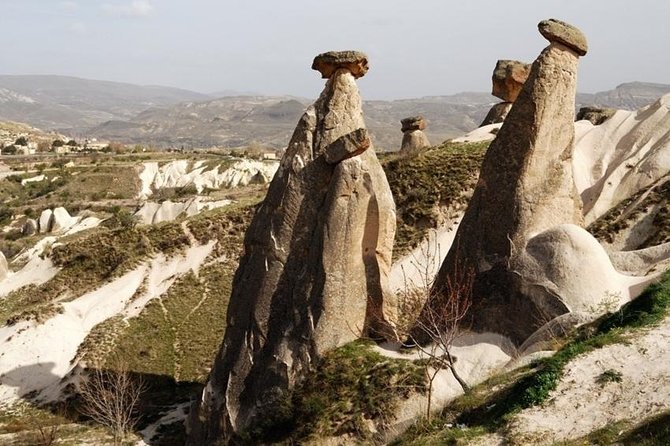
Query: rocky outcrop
x=4 y=268
x=314 y=271
x=497 y=114
x=595 y=115
x=413 y=137
x=154 y=213
x=181 y=173
x=45 y=221
x=61 y=220
x=525 y=187
x=622 y=156
x=508 y=79
x=29 y=227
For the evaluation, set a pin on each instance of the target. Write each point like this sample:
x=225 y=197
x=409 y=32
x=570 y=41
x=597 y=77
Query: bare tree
x=443 y=314
x=111 y=398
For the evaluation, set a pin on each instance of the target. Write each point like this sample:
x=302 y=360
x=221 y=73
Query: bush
x=9 y=150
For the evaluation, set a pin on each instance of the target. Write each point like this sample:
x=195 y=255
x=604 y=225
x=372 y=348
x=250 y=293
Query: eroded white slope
x=153 y=213
x=616 y=159
x=180 y=173
x=37 y=356
x=582 y=403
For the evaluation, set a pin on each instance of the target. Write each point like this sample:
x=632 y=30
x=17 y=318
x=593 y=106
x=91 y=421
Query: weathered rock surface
x=314 y=272
x=525 y=187
x=497 y=114
x=152 y=212
x=62 y=221
x=622 y=156
x=413 y=123
x=413 y=137
x=45 y=221
x=353 y=61
x=508 y=79
x=29 y=227
x=595 y=115
x=560 y=32
x=564 y=269
x=180 y=173
x=4 y=268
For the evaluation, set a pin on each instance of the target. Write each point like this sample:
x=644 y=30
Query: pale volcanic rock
x=4 y=268
x=29 y=227
x=62 y=221
x=181 y=173
x=525 y=187
x=414 y=138
x=317 y=255
x=154 y=213
x=622 y=156
x=45 y=221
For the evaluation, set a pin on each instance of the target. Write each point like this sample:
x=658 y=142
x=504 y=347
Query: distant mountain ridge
x=166 y=116
x=63 y=102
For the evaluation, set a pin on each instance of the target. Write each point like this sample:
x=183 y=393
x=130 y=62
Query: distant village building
x=94 y=145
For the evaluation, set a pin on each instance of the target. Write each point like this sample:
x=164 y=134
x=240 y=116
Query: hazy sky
x=416 y=48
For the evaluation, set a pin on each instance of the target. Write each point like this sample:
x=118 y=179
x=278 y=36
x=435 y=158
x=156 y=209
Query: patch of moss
x=426 y=182
x=351 y=388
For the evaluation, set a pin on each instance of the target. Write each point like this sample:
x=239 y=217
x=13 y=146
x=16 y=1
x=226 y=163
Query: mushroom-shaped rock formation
x=353 y=61
x=508 y=79
x=413 y=137
x=525 y=187
x=316 y=259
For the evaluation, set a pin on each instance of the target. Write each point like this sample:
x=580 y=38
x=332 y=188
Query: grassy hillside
x=430 y=186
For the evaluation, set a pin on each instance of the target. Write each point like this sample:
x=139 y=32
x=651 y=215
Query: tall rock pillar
x=314 y=271
x=525 y=187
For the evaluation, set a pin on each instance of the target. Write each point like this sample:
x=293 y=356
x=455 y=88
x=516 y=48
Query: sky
x=416 y=48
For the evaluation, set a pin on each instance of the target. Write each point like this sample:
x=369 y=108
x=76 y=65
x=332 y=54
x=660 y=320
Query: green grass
x=428 y=182
x=351 y=387
x=491 y=406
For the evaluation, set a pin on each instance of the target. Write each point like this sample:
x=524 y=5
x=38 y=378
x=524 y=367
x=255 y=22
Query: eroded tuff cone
x=508 y=79
x=557 y=31
x=525 y=187
x=413 y=138
x=314 y=271
x=328 y=63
